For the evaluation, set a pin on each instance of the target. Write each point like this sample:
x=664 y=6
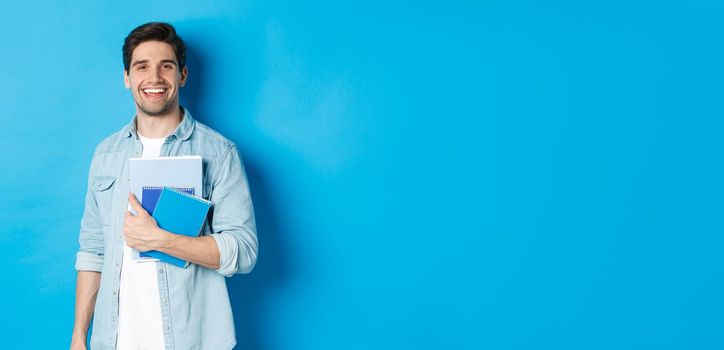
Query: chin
x=155 y=112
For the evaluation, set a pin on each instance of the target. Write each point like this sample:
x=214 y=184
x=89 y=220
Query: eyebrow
x=135 y=63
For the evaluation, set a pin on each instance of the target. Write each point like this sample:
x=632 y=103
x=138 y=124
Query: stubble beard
x=156 y=112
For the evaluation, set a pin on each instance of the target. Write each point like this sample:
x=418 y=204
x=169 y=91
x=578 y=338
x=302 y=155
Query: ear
x=126 y=81
x=184 y=75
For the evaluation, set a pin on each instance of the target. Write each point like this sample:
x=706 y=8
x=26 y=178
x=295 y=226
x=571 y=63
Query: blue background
x=426 y=175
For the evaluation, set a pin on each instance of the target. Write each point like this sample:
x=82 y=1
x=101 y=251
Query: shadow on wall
x=192 y=93
x=248 y=293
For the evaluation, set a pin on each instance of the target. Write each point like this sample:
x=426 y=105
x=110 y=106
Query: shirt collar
x=183 y=131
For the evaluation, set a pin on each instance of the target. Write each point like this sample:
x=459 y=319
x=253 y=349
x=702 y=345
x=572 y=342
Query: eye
x=167 y=66
x=141 y=67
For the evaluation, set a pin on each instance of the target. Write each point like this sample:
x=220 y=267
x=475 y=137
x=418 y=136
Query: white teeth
x=153 y=91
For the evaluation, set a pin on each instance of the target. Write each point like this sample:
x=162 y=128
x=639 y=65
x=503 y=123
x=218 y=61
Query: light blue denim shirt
x=195 y=305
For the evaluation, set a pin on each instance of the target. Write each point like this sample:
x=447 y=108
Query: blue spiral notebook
x=150 y=196
x=180 y=213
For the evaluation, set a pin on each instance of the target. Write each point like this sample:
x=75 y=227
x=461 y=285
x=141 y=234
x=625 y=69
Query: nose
x=156 y=75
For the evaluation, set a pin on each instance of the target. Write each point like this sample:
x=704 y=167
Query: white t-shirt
x=139 y=309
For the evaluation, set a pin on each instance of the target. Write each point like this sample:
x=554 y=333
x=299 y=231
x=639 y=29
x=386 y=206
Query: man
x=153 y=305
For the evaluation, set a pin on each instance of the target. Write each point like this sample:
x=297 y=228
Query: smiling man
x=153 y=305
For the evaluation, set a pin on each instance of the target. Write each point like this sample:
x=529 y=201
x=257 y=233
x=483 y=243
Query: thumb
x=136 y=205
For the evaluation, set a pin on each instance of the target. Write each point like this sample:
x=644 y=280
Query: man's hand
x=141 y=231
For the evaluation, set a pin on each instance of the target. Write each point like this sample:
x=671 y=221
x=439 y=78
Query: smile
x=154 y=91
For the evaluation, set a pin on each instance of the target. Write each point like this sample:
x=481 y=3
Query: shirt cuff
x=228 y=253
x=87 y=261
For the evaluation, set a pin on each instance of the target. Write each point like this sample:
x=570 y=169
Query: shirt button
x=160 y=270
x=165 y=327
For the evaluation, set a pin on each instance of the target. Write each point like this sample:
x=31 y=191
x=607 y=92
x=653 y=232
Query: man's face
x=154 y=78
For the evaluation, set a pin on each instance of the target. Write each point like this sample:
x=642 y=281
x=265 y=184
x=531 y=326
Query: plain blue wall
x=428 y=175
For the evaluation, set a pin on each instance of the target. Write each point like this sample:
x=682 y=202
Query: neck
x=155 y=127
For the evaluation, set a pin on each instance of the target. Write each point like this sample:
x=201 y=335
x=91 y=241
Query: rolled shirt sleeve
x=90 y=254
x=232 y=221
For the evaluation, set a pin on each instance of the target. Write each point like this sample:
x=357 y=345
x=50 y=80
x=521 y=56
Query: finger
x=131 y=241
x=129 y=220
x=127 y=232
x=131 y=231
x=136 y=205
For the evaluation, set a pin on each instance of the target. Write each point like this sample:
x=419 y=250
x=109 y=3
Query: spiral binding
x=188 y=195
x=160 y=188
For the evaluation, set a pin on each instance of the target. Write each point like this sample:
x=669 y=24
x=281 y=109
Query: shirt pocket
x=102 y=187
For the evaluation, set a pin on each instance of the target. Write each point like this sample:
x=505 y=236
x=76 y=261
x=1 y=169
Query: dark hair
x=154 y=31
